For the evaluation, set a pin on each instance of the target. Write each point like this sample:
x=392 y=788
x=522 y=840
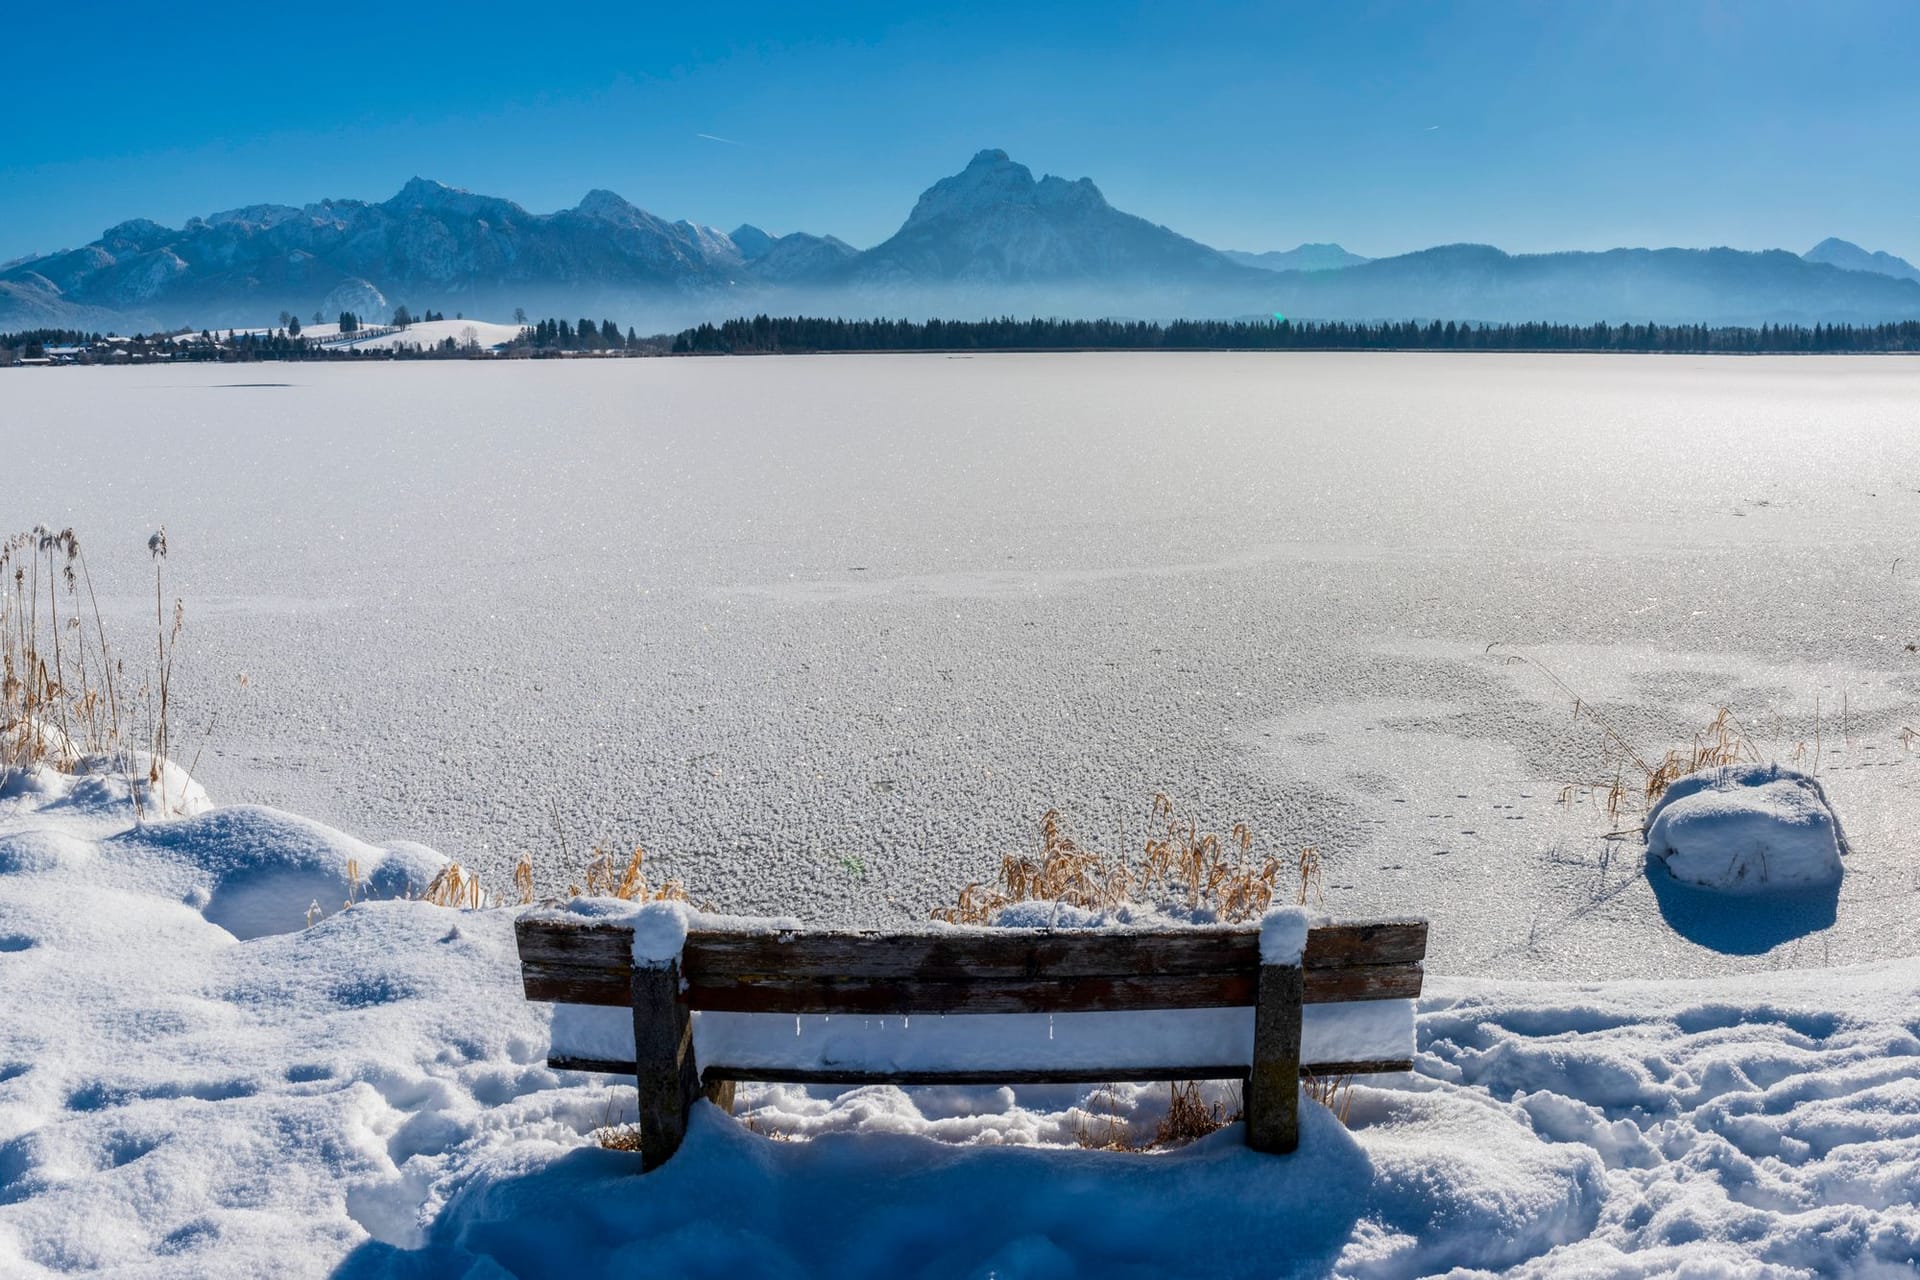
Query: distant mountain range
x=988 y=240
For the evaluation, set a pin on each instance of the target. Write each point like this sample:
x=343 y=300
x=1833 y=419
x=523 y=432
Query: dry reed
x=1181 y=863
x=1638 y=778
x=1189 y=1117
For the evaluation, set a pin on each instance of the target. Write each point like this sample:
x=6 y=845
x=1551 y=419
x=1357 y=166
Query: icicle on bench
x=770 y=1001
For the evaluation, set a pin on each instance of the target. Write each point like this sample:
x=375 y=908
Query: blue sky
x=1385 y=127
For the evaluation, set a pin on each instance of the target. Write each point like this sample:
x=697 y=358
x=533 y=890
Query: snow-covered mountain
x=794 y=257
x=1851 y=257
x=992 y=223
x=1306 y=257
x=991 y=239
x=430 y=245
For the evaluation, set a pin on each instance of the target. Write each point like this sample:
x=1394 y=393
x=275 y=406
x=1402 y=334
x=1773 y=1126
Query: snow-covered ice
x=1749 y=828
x=828 y=635
x=367 y=1097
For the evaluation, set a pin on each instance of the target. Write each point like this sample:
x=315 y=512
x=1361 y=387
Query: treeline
x=766 y=335
x=49 y=338
x=558 y=335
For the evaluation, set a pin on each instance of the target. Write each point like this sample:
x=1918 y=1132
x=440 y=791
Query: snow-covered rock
x=1748 y=828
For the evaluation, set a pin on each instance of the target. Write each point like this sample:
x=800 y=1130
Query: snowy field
x=195 y=1084
x=828 y=635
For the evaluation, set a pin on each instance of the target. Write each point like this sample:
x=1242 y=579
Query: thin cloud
x=1430 y=128
x=714 y=137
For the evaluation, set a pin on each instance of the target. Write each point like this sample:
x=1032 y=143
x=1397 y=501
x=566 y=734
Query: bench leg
x=668 y=1077
x=1272 y=1100
x=720 y=1094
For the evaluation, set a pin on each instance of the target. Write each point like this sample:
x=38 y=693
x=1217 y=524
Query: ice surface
x=1747 y=829
x=828 y=635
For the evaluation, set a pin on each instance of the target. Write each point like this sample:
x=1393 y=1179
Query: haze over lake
x=829 y=634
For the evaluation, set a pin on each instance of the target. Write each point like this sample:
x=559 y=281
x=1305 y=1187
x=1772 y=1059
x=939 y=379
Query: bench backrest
x=970 y=971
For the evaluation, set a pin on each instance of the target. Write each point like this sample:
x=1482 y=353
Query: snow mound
x=1747 y=829
x=256 y=871
x=368 y=1098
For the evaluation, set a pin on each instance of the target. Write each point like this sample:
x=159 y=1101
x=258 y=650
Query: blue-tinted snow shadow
x=733 y=1204
x=1740 y=924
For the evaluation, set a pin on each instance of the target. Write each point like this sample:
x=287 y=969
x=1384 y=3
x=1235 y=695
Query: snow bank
x=1747 y=829
x=194 y=1084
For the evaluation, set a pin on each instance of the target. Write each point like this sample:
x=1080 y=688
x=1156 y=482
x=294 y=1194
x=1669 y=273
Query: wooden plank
x=1366 y=942
x=1006 y=995
x=784 y=995
x=1041 y=995
x=966 y=955
x=951 y=955
x=590 y=963
x=712 y=957
x=668 y=1077
x=604 y=1066
x=1272 y=1097
x=1369 y=1067
x=1111 y=1075
x=1034 y=1075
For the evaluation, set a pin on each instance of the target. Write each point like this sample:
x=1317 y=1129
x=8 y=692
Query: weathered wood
x=1366 y=942
x=965 y=972
x=604 y=1066
x=786 y=995
x=1029 y=971
x=990 y=995
x=983 y=1075
x=1041 y=995
x=1367 y=1067
x=556 y=951
x=955 y=955
x=668 y=1077
x=1031 y=1075
x=1272 y=1096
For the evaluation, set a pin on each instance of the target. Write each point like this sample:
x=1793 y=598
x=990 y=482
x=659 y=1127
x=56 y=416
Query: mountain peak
x=751 y=241
x=991 y=180
x=1849 y=256
x=419 y=188
x=608 y=206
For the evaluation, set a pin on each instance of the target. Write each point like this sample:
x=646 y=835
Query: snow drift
x=1747 y=828
x=368 y=1098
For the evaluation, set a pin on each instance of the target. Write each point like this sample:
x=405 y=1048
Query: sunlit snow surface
x=829 y=634
x=367 y=1098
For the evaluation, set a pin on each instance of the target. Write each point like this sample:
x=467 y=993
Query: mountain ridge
x=989 y=239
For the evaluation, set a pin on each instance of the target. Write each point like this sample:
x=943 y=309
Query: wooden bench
x=579 y=960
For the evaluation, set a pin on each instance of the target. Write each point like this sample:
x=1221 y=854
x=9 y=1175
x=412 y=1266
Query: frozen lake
x=829 y=634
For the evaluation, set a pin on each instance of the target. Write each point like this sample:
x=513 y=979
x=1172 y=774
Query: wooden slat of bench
x=1042 y=995
x=1037 y=995
x=590 y=963
x=773 y=1075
